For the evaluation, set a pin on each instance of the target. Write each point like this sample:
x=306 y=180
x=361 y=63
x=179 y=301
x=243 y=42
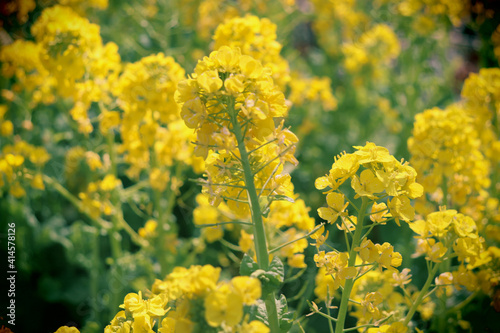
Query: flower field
x=250 y=166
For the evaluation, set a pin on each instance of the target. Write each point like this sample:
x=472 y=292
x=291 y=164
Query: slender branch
x=421 y=294
x=100 y=222
x=221 y=223
x=230 y=245
x=296 y=240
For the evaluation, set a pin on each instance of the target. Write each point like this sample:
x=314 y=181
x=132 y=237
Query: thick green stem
x=258 y=223
x=349 y=283
x=421 y=295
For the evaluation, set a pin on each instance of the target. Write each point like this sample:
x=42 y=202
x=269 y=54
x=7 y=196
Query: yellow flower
x=319 y=237
x=402 y=278
x=248 y=288
x=388 y=258
x=367 y=251
x=37 y=182
x=297 y=261
x=149 y=229
x=246 y=241
x=400 y=208
x=366 y=184
x=209 y=81
x=336 y=207
x=223 y=305
x=109 y=183
x=436 y=252
x=254 y=326
x=379 y=213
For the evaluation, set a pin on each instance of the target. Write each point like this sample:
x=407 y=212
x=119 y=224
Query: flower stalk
x=349 y=283
x=258 y=223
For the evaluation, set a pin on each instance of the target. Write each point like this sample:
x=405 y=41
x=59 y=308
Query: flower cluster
x=454 y=10
x=232 y=103
x=374 y=175
x=381 y=176
x=374 y=48
x=481 y=95
x=21 y=60
x=21 y=165
x=191 y=300
x=445 y=148
x=257 y=38
x=151 y=130
x=312 y=89
x=96 y=200
x=444 y=229
x=72 y=51
x=337 y=16
x=447 y=234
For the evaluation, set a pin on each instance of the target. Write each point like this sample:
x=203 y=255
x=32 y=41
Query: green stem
x=98 y=222
x=421 y=295
x=258 y=229
x=114 y=233
x=94 y=275
x=349 y=283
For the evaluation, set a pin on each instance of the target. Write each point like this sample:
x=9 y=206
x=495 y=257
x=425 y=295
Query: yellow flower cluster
x=96 y=200
x=21 y=60
x=16 y=163
x=377 y=298
x=347 y=33
x=191 y=300
x=313 y=89
x=71 y=50
x=454 y=10
x=481 y=94
x=148 y=86
x=445 y=148
x=444 y=229
x=381 y=176
x=374 y=49
x=448 y=233
x=374 y=175
x=231 y=102
x=151 y=128
x=257 y=38
x=332 y=16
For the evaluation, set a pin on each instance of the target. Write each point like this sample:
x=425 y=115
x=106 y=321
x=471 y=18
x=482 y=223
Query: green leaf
x=272 y=279
x=248 y=265
x=259 y=312
x=277 y=267
x=285 y=317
